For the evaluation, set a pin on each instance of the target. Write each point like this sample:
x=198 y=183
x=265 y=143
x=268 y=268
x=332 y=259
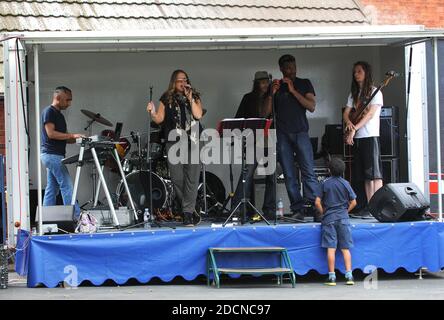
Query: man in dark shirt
x=293 y=97
x=256 y=104
x=54 y=137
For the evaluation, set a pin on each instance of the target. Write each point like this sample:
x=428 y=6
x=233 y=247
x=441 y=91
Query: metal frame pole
x=37 y=134
x=125 y=183
x=97 y=193
x=438 y=127
x=105 y=188
x=78 y=171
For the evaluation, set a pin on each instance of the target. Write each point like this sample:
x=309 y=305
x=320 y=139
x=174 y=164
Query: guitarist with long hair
x=362 y=132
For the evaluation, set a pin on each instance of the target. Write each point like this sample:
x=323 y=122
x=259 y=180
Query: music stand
x=242 y=124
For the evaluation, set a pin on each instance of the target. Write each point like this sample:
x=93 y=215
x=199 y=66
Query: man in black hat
x=256 y=104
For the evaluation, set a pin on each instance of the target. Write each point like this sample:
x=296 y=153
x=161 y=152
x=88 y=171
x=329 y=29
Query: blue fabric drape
x=166 y=253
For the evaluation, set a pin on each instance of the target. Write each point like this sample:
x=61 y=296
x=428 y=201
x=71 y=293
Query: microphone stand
x=148 y=157
x=150 y=183
x=273 y=113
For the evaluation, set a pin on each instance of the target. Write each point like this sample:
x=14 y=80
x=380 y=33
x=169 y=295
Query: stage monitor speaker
x=60 y=216
x=397 y=202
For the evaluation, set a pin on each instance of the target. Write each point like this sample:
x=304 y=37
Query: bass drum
x=138 y=184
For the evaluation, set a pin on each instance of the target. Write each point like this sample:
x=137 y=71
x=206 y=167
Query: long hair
x=256 y=87
x=367 y=85
x=171 y=91
x=259 y=98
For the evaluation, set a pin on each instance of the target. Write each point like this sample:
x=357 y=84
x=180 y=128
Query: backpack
x=87 y=223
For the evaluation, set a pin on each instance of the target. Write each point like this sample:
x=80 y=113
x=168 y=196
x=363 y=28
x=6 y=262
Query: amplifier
x=55 y=218
x=388 y=133
x=104 y=217
x=281 y=193
x=321 y=172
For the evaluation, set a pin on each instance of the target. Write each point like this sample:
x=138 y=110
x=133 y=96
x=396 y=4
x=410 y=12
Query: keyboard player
x=54 y=138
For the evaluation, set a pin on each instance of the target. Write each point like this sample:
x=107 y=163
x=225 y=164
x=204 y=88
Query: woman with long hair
x=363 y=135
x=180 y=109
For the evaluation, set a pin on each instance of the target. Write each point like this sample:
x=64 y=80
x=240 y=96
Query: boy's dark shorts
x=337 y=234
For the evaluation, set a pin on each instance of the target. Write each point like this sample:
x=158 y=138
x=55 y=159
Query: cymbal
x=96 y=117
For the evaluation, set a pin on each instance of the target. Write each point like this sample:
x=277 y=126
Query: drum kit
x=133 y=155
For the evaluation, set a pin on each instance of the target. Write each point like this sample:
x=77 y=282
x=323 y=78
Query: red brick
x=427 y=13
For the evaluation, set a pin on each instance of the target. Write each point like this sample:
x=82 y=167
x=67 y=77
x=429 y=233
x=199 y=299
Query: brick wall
x=429 y=13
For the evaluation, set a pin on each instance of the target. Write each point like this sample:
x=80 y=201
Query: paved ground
x=401 y=285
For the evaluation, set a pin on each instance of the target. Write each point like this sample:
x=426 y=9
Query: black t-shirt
x=171 y=114
x=251 y=106
x=51 y=146
x=291 y=116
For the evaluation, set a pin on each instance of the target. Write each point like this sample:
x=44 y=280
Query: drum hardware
x=95 y=117
x=161 y=195
x=215 y=195
x=150 y=182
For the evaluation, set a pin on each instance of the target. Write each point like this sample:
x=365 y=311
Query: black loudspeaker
x=60 y=216
x=33 y=204
x=390 y=170
x=389 y=132
x=332 y=141
x=397 y=202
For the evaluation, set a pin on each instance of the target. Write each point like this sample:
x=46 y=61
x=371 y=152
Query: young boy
x=334 y=201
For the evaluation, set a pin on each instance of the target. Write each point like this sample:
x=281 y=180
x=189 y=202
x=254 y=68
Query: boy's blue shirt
x=335 y=194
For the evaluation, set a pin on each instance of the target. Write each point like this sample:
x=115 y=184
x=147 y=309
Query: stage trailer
x=111 y=72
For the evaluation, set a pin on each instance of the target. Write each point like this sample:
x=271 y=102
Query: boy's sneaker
x=349 y=280
x=331 y=281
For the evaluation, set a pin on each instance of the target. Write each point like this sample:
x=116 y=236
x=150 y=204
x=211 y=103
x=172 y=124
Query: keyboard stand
x=87 y=141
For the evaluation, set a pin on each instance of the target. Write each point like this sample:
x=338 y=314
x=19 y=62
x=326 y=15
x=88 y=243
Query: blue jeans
x=58 y=178
x=291 y=147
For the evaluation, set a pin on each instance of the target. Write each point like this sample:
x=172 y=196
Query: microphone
x=392 y=73
x=188 y=88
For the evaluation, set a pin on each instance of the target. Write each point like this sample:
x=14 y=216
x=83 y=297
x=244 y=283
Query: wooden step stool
x=285 y=267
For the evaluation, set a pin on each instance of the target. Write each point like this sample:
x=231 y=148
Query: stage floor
x=166 y=253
